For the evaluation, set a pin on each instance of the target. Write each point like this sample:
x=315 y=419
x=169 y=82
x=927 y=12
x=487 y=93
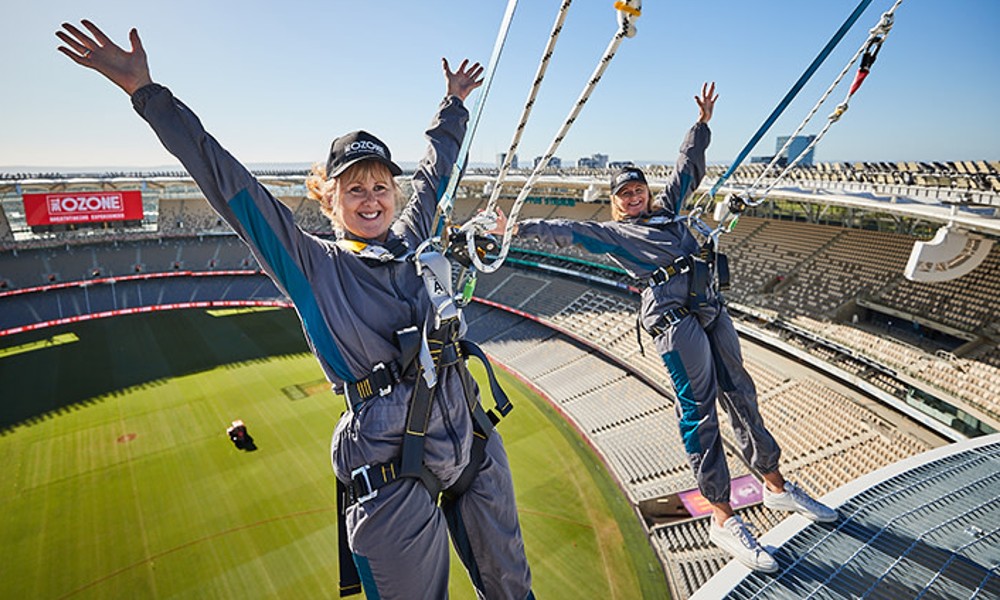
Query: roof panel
x=928 y=527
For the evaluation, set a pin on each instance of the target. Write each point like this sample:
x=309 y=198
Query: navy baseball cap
x=626 y=175
x=355 y=147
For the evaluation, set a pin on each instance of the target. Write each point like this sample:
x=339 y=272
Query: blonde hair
x=618 y=214
x=327 y=191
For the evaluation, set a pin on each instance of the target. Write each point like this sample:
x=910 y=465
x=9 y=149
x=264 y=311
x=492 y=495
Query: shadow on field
x=135 y=351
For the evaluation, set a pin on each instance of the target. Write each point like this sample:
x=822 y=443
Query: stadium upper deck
x=908 y=196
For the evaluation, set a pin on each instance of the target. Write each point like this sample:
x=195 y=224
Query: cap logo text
x=365 y=146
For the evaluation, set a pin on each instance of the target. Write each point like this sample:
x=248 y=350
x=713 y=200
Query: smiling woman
x=683 y=309
x=361 y=200
x=371 y=324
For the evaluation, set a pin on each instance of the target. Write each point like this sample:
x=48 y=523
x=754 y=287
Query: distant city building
x=617 y=164
x=502 y=157
x=596 y=161
x=798 y=145
x=555 y=162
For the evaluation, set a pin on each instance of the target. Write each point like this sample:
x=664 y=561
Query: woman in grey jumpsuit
x=693 y=332
x=351 y=312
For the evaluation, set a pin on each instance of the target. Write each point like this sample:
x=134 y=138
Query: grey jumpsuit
x=702 y=350
x=350 y=312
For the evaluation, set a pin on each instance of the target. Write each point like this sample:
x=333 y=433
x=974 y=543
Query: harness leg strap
x=350 y=580
x=476 y=456
x=417 y=417
x=500 y=398
x=418 y=412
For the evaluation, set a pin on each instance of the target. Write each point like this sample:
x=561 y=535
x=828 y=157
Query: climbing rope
x=783 y=104
x=728 y=211
x=627 y=12
x=446 y=195
x=869 y=49
x=529 y=103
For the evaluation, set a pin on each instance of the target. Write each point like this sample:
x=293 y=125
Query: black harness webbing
x=680 y=266
x=500 y=399
x=444 y=349
x=365 y=482
x=699 y=269
x=350 y=579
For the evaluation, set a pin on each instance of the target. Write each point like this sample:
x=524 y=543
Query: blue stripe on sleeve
x=596 y=246
x=684 y=190
x=690 y=417
x=291 y=279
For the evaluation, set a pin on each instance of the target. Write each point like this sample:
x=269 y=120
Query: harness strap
x=365 y=483
x=668 y=319
x=384 y=375
x=442 y=345
x=350 y=579
x=477 y=454
x=377 y=383
x=373 y=255
x=680 y=266
x=500 y=398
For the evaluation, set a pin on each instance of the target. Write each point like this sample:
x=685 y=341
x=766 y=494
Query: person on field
x=377 y=328
x=682 y=309
x=238 y=434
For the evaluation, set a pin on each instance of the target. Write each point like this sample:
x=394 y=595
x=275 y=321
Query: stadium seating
x=593 y=372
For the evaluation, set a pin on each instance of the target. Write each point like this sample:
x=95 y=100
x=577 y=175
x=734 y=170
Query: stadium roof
x=950 y=207
x=926 y=527
x=936 y=205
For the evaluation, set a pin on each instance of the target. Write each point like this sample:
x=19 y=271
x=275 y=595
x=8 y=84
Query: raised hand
x=127 y=69
x=501 y=224
x=464 y=80
x=706 y=102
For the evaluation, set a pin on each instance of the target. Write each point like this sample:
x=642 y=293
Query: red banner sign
x=82 y=207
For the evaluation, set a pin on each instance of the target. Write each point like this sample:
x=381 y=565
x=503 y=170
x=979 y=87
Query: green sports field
x=119 y=481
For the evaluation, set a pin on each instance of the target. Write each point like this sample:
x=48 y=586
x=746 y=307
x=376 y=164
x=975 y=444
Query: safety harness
x=423 y=356
x=707 y=269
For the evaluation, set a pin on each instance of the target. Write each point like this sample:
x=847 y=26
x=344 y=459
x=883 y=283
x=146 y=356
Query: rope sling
x=627 y=12
x=728 y=211
x=796 y=87
x=869 y=49
x=543 y=66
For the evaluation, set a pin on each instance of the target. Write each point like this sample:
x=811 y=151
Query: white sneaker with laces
x=795 y=499
x=734 y=537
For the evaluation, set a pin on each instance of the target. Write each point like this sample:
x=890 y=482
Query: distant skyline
x=275 y=82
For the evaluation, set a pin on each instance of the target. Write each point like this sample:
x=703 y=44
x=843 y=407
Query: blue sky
x=275 y=81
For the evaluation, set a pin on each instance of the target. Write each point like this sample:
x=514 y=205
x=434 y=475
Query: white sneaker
x=795 y=499
x=734 y=537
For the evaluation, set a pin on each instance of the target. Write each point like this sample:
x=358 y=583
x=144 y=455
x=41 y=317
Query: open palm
x=127 y=69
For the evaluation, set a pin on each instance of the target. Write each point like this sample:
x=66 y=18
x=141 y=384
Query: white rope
x=529 y=103
x=628 y=11
x=877 y=33
x=723 y=215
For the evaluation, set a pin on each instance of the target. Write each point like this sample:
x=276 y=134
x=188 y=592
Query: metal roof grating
x=930 y=532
